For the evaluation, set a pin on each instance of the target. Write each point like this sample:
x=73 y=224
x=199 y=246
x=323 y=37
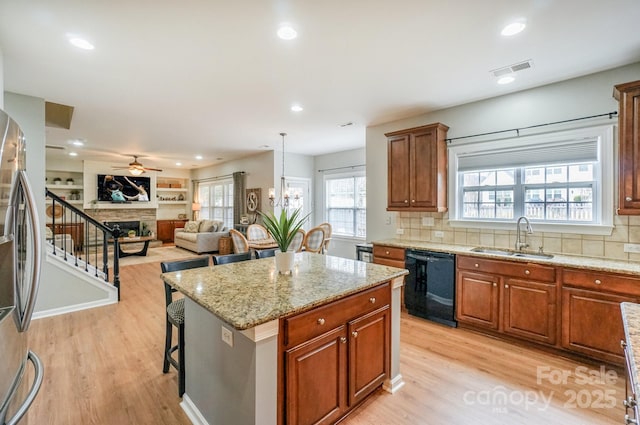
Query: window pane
x=557 y=211
x=346 y=202
x=470 y=210
x=471 y=179
x=470 y=196
x=488 y=178
x=534 y=210
x=557 y=174
x=506 y=177
x=534 y=175
x=581 y=173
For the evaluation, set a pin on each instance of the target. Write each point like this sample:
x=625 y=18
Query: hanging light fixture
x=283 y=201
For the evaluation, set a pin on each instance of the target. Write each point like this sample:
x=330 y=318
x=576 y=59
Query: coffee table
x=137 y=239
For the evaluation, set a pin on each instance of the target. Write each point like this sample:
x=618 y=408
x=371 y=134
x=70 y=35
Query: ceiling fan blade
x=152 y=169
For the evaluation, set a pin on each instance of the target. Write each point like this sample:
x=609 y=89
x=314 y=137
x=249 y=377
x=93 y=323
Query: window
x=216 y=200
x=562 y=180
x=345 y=204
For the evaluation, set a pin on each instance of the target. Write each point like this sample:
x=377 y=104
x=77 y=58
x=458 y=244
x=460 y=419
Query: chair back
x=264 y=253
x=314 y=240
x=174 y=266
x=327 y=236
x=257 y=232
x=240 y=243
x=231 y=258
x=298 y=239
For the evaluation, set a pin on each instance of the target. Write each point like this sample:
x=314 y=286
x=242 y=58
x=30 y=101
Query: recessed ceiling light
x=198 y=157
x=73 y=154
x=286 y=32
x=77 y=142
x=506 y=79
x=81 y=43
x=297 y=108
x=178 y=163
x=513 y=28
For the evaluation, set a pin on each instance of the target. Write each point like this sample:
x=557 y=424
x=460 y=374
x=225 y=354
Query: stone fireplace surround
x=146 y=215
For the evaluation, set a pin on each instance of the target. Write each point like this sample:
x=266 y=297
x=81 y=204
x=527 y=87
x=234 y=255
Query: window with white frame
x=560 y=180
x=216 y=200
x=346 y=204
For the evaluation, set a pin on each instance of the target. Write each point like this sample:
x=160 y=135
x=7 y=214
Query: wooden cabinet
x=388 y=255
x=417 y=169
x=591 y=317
x=335 y=356
x=517 y=299
x=628 y=96
x=166 y=229
x=76 y=230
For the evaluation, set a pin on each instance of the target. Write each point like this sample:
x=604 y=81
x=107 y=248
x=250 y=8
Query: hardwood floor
x=104 y=366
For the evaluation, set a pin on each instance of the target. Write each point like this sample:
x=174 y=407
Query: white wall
x=341 y=247
x=1 y=81
x=584 y=96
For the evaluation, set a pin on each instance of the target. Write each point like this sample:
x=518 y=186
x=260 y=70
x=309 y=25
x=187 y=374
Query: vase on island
x=284 y=262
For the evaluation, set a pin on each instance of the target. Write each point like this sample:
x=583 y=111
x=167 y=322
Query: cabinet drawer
x=508 y=268
x=388 y=252
x=305 y=326
x=602 y=281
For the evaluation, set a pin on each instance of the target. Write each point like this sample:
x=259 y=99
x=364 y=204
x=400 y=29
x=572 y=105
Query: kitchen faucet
x=521 y=245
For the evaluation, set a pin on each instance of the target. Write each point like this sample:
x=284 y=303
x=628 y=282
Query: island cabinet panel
x=628 y=95
x=334 y=356
x=316 y=388
x=417 y=169
x=514 y=298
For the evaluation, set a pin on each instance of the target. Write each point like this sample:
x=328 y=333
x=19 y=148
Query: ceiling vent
x=57 y=115
x=506 y=70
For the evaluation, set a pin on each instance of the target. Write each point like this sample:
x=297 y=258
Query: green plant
x=283 y=228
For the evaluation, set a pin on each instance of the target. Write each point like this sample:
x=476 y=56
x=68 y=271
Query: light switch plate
x=227 y=336
x=399 y=231
x=438 y=234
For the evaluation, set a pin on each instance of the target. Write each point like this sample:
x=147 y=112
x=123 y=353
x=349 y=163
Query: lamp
x=136 y=171
x=284 y=194
x=195 y=207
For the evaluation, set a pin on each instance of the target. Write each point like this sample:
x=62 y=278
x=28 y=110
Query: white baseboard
x=393 y=385
x=192 y=411
x=71 y=308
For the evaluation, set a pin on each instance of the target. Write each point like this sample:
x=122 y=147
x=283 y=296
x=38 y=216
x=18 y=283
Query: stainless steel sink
x=511 y=253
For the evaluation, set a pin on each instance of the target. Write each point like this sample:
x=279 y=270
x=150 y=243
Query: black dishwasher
x=429 y=290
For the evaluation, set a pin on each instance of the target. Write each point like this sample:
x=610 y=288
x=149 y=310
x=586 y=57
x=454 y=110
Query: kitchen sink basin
x=511 y=253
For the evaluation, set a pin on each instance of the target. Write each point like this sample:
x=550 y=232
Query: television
x=121 y=189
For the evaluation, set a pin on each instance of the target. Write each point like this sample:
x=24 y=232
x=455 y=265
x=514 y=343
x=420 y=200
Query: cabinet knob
x=321 y=321
x=506 y=286
x=355 y=334
x=597 y=281
x=406 y=201
x=372 y=300
x=495 y=284
x=476 y=265
x=343 y=339
x=527 y=272
x=387 y=252
x=628 y=199
x=623 y=344
x=413 y=200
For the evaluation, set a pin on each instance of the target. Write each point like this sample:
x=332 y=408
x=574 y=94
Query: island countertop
x=631 y=321
x=249 y=293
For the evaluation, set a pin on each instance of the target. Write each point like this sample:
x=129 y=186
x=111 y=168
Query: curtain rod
x=341 y=168
x=517 y=130
x=215 y=178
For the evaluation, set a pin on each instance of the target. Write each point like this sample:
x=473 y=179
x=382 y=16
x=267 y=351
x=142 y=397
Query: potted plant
x=283 y=229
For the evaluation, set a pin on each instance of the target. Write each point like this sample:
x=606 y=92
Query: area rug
x=168 y=253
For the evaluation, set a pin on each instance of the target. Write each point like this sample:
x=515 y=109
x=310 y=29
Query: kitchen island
x=263 y=348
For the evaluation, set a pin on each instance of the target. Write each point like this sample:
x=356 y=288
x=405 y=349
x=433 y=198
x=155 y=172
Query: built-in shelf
x=172 y=202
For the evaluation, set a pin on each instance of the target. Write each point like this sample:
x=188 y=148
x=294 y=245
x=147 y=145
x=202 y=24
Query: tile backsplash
x=627 y=230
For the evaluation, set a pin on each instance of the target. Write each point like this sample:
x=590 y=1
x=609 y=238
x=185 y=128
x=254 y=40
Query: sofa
x=200 y=236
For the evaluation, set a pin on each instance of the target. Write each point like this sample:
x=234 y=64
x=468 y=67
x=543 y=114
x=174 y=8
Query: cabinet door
x=165 y=230
x=316 y=379
x=369 y=342
x=529 y=310
x=592 y=323
x=477 y=299
x=629 y=155
x=424 y=166
x=398 y=191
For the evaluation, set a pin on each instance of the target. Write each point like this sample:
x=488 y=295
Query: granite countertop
x=575 y=261
x=631 y=321
x=249 y=293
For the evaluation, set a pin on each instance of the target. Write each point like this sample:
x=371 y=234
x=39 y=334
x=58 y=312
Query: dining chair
x=257 y=232
x=231 y=258
x=314 y=240
x=298 y=239
x=327 y=236
x=240 y=243
x=174 y=316
x=264 y=253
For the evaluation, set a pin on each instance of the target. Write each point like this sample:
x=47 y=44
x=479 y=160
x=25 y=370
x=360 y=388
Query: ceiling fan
x=136 y=168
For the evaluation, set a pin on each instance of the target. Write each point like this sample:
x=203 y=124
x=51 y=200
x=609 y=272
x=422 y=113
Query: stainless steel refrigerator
x=20 y=250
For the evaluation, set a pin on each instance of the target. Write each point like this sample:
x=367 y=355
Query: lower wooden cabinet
x=388 y=255
x=76 y=230
x=335 y=356
x=477 y=299
x=166 y=229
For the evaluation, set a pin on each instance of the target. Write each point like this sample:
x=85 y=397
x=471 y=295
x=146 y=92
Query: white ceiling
x=172 y=79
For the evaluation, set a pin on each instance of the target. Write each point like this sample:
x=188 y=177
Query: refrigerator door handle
x=22 y=185
x=35 y=387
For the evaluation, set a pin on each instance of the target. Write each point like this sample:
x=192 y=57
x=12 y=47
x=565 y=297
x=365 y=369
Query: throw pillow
x=206 y=226
x=191 y=227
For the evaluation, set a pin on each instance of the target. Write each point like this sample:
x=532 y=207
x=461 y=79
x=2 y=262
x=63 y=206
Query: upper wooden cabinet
x=417 y=169
x=628 y=95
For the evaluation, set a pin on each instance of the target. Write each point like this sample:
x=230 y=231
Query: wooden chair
x=314 y=240
x=240 y=243
x=298 y=240
x=231 y=258
x=327 y=236
x=175 y=317
x=257 y=232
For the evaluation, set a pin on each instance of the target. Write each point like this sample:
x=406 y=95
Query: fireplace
x=125 y=226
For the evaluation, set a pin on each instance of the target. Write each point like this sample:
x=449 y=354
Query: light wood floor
x=104 y=366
